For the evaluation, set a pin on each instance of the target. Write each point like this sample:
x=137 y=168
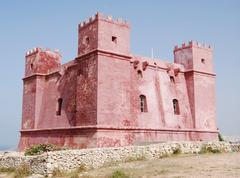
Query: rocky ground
x=197 y=166
x=203 y=165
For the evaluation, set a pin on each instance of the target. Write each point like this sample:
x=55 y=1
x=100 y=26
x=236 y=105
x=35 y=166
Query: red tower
x=200 y=77
x=108 y=97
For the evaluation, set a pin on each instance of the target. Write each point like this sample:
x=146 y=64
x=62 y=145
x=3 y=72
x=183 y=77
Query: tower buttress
x=38 y=63
x=200 y=78
x=41 y=61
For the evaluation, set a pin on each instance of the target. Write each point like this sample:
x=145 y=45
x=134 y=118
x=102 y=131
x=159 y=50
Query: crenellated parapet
x=37 y=50
x=41 y=61
x=100 y=16
x=32 y=51
x=191 y=44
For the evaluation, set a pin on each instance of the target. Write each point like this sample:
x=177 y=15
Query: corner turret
x=41 y=61
x=197 y=60
x=194 y=56
x=104 y=33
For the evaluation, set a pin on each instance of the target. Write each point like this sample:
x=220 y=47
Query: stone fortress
x=107 y=96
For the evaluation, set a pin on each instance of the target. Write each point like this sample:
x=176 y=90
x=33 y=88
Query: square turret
x=197 y=60
x=41 y=61
x=105 y=34
x=195 y=56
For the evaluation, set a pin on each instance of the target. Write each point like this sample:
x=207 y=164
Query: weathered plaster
x=101 y=89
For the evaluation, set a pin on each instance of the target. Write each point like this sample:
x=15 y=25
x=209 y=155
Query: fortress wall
x=113 y=92
x=160 y=91
x=61 y=84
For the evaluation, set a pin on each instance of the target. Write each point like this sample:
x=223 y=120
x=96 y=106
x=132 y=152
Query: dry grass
x=202 y=165
x=7 y=170
x=119 y=174
x=71 y=174
x=196 y=165
x=22 y=171
x=207 y=149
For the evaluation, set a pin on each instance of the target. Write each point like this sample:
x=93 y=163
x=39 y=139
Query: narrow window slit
x=59 y=106
x=139 y=72
x=87 y=40
x=176 y=107
x=143 y=103
x=172 y=80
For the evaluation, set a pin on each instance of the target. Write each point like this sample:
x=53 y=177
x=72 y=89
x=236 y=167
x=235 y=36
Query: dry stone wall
x=98 y=157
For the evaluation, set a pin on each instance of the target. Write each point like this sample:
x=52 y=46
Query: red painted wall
x=113 y=91
x=100 y=91
x=86 y=99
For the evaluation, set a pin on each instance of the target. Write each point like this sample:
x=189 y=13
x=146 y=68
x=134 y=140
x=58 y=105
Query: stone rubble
x=68 y=160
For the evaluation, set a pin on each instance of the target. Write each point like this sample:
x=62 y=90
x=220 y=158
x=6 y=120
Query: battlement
x=191 y=44
x=32 y=51
x=37 y=49
x=100 y=16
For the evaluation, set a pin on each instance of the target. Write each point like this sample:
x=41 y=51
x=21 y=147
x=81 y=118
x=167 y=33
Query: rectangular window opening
x=176 y=107
x=59 y=107
x=172 y=80
x=114 y=39
x=143 y=103
x=87 y=40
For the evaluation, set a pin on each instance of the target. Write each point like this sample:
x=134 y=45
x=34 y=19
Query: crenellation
x=175 y=47
x=91 y=18
x=120 y=20
x=101 y=16
x=38 y=49
x=32 y=51
x=109 y=17
x=184 y=45
x=191 y=44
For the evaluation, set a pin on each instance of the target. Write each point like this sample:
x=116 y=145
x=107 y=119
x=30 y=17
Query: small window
x=139 y=72
x=114 y=39
x=176 y=107
x=172 y=80
x=203 y=61
x=143 y=103
x=59 y=106
x=31 y=66
x=87 y=40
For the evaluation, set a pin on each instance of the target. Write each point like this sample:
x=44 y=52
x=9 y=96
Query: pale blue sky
x=154 y=24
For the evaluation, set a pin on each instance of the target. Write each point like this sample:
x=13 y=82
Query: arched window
x=59 y=106
x=176 y=107
x=143 y=103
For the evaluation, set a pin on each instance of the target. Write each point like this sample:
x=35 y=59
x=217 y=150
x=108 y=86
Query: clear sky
x=154 y=24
